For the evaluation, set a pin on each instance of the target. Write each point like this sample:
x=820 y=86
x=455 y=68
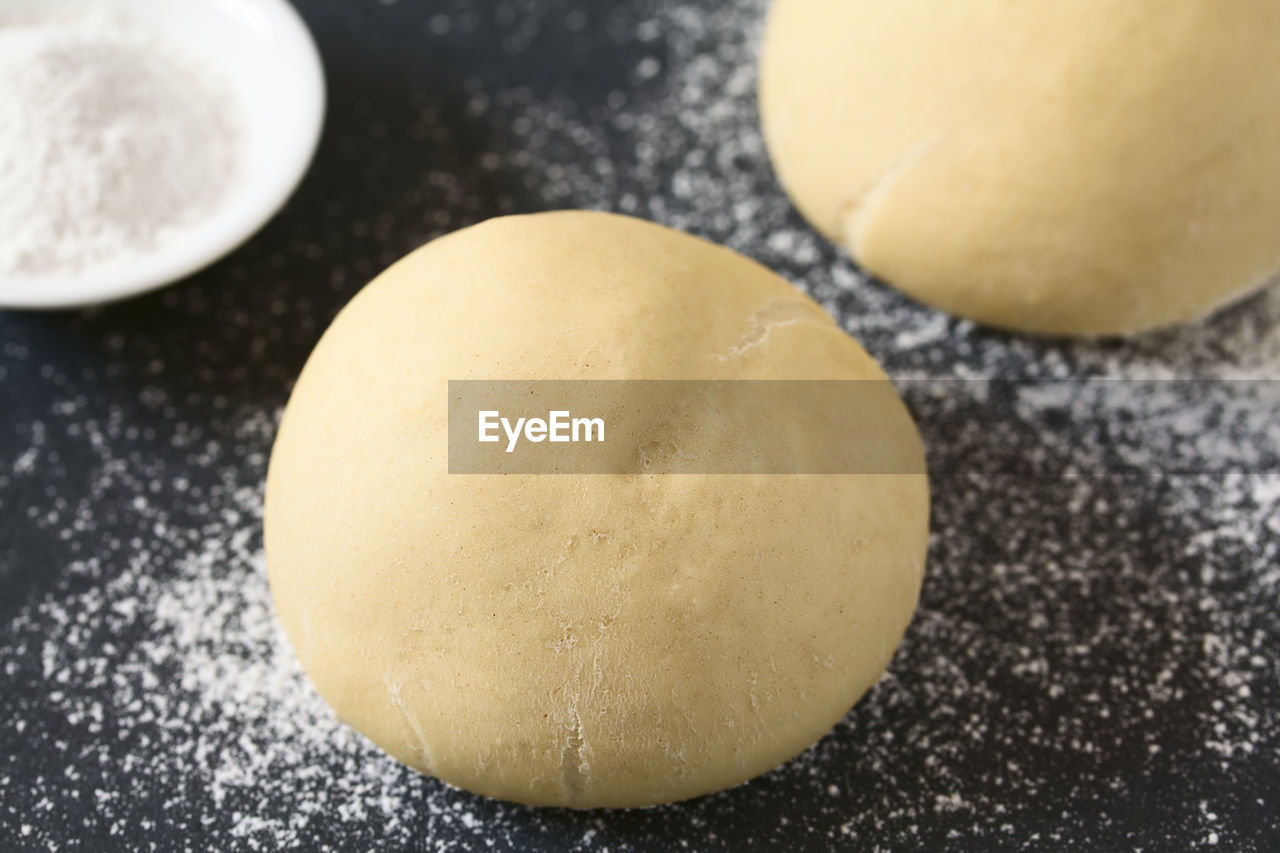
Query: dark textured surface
x=1094 y=665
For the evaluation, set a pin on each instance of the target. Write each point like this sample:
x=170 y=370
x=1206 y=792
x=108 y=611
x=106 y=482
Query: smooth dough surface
x=606 y=640
x=1084 y=167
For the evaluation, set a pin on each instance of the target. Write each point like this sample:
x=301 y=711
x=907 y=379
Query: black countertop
x=1094 y=663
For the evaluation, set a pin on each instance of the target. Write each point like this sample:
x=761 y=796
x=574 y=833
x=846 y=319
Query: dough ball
x=578 y=640
x=1084 y=167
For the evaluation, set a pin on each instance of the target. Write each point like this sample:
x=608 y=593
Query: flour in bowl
x=112 y=142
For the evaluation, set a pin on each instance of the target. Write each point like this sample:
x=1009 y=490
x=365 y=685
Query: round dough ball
x=1084 y=167
x=578 y=640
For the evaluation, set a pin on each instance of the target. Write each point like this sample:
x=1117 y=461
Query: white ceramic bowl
x=266 y=52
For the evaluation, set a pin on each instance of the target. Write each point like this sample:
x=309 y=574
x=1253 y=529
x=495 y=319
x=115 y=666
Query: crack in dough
x=774 y=315
x=576 y=770
x=857 y=211
x=397 y=702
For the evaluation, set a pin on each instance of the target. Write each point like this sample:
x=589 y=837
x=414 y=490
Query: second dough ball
x=1092 y=167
